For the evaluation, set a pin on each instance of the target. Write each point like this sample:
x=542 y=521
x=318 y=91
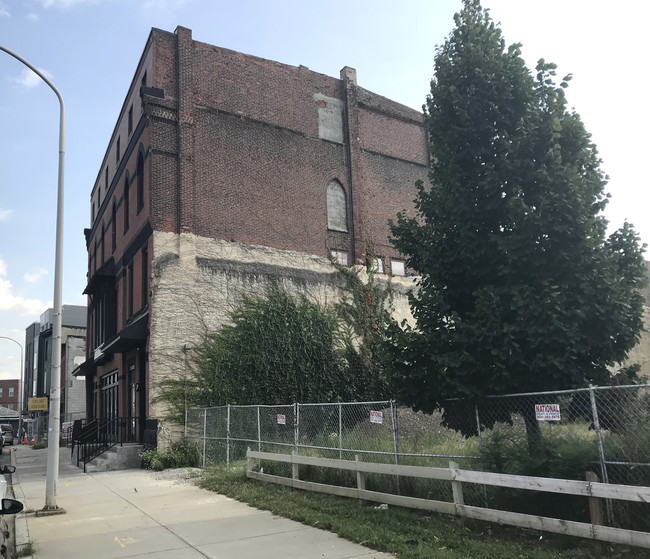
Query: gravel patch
x=180 y=475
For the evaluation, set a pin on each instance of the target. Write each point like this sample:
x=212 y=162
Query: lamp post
x=54 y=425
x=22 y=388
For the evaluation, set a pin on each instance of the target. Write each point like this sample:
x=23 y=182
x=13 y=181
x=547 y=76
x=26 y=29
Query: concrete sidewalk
x=132 y=513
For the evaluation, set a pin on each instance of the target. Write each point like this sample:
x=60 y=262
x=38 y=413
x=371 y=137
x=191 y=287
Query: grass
x=26 y=550
x=407 y=534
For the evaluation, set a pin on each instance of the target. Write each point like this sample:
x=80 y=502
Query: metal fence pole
x=478 y=428
x=259 y=431
x=393 y=414
x=205 y=424
x=601 y=451
x=340 y=431
x=228 y=439
x=186 y=423
x=296 y=428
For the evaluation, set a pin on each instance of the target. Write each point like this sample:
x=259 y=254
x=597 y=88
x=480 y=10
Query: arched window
x=337 y=208
x=126 y=204
x=140 y=181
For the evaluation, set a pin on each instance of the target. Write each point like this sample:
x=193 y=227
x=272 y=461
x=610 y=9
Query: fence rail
x=458 y=477
x=610 y=426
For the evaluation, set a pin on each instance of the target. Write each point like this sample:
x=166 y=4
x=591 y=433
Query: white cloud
x=30 y=79
x=33 y=277
x=11 y=302
x=33 y=16
x=3 y=10
x=65 y=3
x=4 y=214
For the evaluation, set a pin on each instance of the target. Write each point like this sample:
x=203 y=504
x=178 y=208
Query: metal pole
x=228 y=439
x=20 y=398
x=296 y=426
x=340 y=431
x=259 y=431
x=205 y=422
x=55 y=381
x=393 y=409
x=601 y=451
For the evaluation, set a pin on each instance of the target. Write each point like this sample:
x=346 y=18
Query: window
x=126 y=204
x=340 y=256
x=145 y=277
x=129 y=289
x=397 y=267
x=376 y=264
x=337 y=213
x=11 y=392
x=117 y=151
x=10 y=406
x=1 y=390
x=113 y=227
x=140 y=181
x=103 y=243
x=105 y=183
x=93 y=213
x=130 y=120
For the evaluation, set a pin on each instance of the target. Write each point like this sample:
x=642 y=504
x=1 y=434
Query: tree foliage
x=520 y=289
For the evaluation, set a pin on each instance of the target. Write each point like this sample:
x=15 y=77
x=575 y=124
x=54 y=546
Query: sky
x=90 y=49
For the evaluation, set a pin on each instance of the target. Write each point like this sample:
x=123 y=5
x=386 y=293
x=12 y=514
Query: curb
x=21 y=527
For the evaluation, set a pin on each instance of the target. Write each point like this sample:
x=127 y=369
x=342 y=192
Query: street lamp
x=22 y=388
x=54 y=426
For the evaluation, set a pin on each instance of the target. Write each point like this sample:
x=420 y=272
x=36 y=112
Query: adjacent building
x=10 y=394
x=226 y=172
x=38 y=360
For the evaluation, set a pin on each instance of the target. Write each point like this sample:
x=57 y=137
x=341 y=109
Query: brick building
x=10 y=394
x=225 y=171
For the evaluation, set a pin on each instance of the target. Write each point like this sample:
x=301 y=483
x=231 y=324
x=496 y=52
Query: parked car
x=7 y=433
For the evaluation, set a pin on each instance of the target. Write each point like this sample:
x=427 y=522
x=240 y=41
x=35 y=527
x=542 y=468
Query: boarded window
x=337 y=218
x=398 y=268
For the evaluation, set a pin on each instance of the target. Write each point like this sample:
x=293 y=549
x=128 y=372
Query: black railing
x=93 y=437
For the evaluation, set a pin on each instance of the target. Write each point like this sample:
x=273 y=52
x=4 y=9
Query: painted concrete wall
x=197 y=281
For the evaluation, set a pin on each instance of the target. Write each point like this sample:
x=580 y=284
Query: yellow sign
x=37 y=404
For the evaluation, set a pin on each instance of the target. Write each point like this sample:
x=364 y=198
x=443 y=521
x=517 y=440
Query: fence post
x=228 y=439
x=393 y=415
x=259 y=431
x=186 y=423
x=294 y=467
x=205 y=423
x=340 y=431
x=456 y=488
x=595 y=510
x=601 y=450
x=361 y=480
x=296 y=426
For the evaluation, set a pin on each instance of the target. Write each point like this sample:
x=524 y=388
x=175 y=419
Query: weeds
x=181 y=454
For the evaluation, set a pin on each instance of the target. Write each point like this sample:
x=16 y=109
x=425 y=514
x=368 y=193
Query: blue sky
x=90 y=48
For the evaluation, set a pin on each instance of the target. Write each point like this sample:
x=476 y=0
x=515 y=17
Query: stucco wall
x=197 y=281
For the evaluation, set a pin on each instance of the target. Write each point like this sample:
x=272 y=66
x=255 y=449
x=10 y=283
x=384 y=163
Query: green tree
x=519 y=290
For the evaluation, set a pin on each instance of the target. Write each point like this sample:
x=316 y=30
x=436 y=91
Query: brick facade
x=222 y=161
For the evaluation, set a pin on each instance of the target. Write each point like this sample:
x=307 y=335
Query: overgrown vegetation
x=407 y=534
x=282 y=349
x=181 y=454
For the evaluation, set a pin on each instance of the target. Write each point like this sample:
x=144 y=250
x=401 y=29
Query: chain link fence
x=549 y=434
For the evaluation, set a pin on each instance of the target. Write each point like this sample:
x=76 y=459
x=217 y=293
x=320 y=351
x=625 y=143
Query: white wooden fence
x=457 y=477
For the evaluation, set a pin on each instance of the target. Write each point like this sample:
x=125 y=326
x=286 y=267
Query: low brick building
x=226 y=171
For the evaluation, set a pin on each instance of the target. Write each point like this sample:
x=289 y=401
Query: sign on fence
x=282 y=420
x=37 y=404
x=547 y=412
x=376 y=417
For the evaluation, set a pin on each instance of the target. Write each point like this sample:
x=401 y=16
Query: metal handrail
x=93 y=437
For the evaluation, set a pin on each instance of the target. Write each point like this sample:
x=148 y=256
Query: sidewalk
x=131 y=513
